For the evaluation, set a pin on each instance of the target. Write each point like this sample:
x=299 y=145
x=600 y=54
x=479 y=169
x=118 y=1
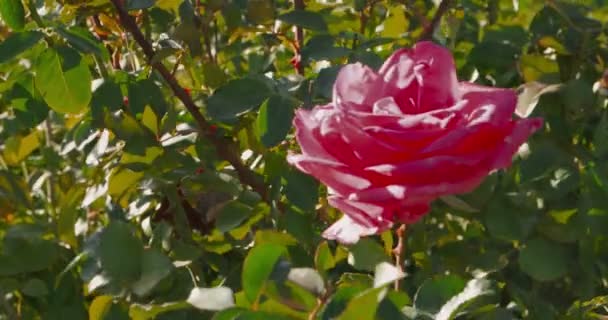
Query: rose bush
x=392 y=141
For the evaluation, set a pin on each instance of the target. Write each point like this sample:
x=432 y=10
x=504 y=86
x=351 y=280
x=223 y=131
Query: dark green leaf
x=18 y=42
x=302 y=190
x=232 y=215
x=82 y=40
x=274 y=119
x=434 y=293
x=543 y=260
x=121 y=253
x=155 y=267
x=305 y=19
x=236 y=98
x=366 y=254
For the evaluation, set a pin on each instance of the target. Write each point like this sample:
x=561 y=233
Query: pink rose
x=392 y=141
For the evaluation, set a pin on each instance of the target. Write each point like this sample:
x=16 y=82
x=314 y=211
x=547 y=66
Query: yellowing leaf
x=18 y=148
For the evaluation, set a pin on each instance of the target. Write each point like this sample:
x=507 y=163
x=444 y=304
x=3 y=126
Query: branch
x=427 y=33
x=223 y=147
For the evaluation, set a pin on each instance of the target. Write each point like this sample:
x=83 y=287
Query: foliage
x=114 y=205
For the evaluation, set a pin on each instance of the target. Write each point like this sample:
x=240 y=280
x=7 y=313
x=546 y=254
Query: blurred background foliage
x=113 y=205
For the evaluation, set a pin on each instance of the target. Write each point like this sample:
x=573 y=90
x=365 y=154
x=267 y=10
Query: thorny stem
x=429 y=30
x=399 y=251
x=223 y=147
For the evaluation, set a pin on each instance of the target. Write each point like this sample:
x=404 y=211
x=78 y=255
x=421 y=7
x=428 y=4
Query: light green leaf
x=258 y=267
x=64 y=80
x=13 y=13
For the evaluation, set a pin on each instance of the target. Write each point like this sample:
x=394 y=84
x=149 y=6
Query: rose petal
x=356 y=88
x=306 y=122
x=335 y=175
x=503 y=102
x=520 y=133
x=422 y=78
x=346 y=231
x=366 y=214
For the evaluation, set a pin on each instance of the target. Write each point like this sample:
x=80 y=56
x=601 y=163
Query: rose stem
x=398 y=251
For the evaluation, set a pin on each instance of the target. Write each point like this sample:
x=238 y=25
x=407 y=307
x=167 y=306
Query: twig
x=223 y=147
x=429 y=30
x=398 y=251
x=299 y=5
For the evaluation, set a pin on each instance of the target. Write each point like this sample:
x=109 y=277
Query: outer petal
x=347 y=231
x=335 y=175
x=523 y=129
x=306 y=123
x=502 y=102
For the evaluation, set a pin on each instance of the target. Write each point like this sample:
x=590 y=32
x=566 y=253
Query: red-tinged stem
x=399 y=251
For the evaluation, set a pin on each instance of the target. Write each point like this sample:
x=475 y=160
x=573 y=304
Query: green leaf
x=64 y=80
x=538 y=68
x=260 y=11
x=216 y=299
x=139 y=4
x=26 y=251
x=503 y=222
x=232 y=215
x=475 y=288
x=258 y=267
x=17 y=148
x=100 y=307
x=35 y=287
x=434 y=293
x=213 y=75
x=121 y=253
x=82 y=40
x=275 y=237
x=364 y=305
x=324 y=259
x=274 y=119
x=305 y=19
x=302 y=190
x=122 y=180
x=236 y=97
x=13 y=13
x=396 y=24
x=155 y=267
x=18 y=42
x=543 y=260
x=366 y=254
